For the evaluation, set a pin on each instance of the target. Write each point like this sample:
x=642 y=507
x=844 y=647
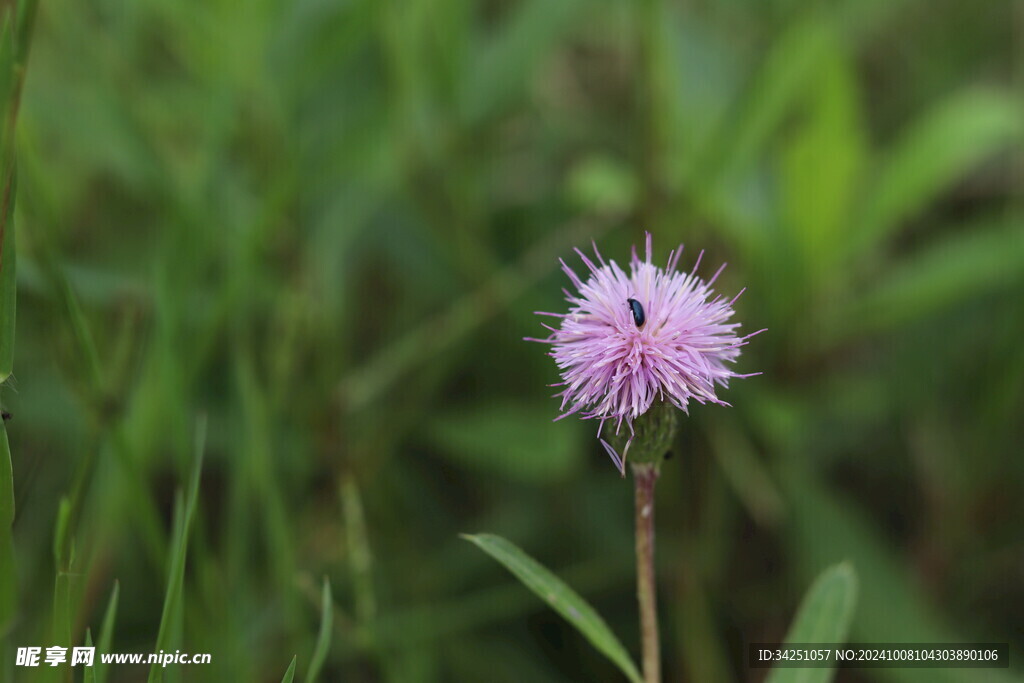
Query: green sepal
x=651 y=438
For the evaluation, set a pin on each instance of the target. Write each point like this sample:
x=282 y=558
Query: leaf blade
x=944 y=145
x=8 y=290
x=107 y=633
x=982 y=257
x=323 y=639
x=289 y=675
x=560 y=597
x=824 y=616
x=8 y=577
x=89 y=672
x=179 y=552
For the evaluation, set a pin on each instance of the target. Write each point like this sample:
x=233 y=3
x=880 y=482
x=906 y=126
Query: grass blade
x=825 y=527
x=506 y=62
x=776 y=89
x=176 y=574
x=983 y=256
x=8 y=594
x=560 y=597
x=8 y=290
x=64 y=558
x=11 y=78
x=323 y=639
x=946 y=144
x=824 y=617
x=107 y=633
x=89 y=672
x=17 y=37
x=359 y=552
x=289 y=675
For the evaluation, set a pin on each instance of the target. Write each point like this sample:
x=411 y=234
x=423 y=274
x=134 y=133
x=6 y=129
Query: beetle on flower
x=631 y=340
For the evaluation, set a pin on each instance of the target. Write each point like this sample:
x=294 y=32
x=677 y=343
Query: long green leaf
x=176 y=574
x=8 y=594
x=359 y=552
x=64 y=554
x=983 y=257
x=89 y=672
x=942 y=147
x=560 y=597
x=323 y=639
x=774 y=91
x=825 y=526
x=822 y=163
x=289 y=675
x=8 y=289
x=506 y=61
x=17 y=37
x=736 y=148
x=8 y=189
x=107 y=633
x=824 y=617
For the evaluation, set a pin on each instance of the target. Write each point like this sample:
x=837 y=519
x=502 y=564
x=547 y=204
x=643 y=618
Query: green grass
x=325 y=227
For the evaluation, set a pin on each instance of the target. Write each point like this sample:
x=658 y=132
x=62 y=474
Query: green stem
x=645 y=475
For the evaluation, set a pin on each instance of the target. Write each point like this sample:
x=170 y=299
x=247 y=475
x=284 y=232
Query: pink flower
x=630 y=340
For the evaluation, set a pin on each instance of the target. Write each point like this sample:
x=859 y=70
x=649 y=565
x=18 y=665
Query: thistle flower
x=631 y=340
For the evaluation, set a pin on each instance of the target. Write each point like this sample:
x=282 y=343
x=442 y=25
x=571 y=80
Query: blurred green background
x=320 y=229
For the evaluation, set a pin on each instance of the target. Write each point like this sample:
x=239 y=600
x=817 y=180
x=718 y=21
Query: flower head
x=630 y=340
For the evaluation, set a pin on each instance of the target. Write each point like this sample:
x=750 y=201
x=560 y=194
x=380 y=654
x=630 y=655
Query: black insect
x=5 y=415
x=638 y=312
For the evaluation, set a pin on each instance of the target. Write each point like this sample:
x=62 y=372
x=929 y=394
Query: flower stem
x=645 y=475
